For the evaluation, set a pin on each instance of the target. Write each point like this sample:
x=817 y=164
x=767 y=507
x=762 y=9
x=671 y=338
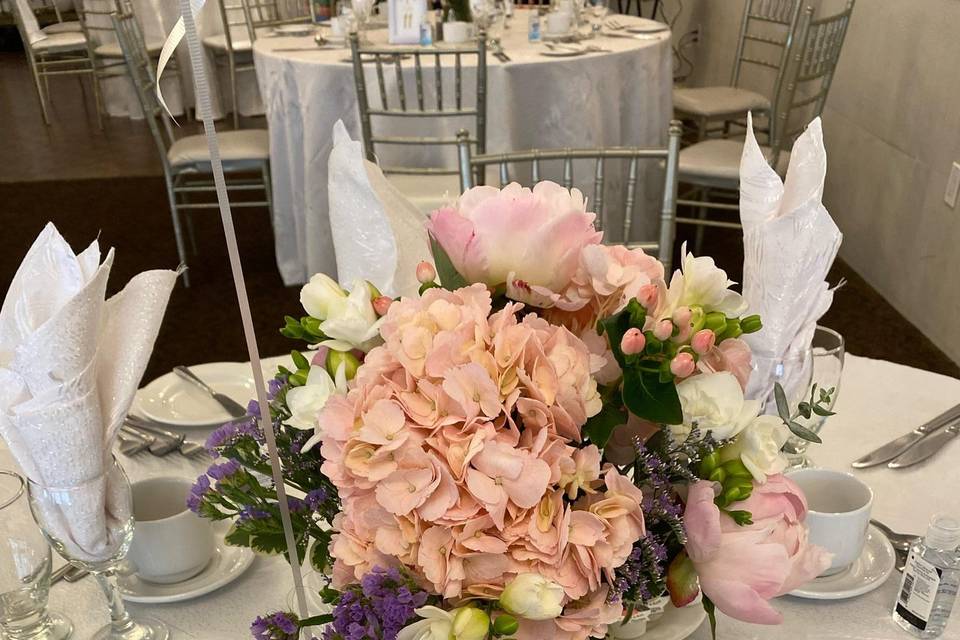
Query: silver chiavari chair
x=474 y=169
x=186 y=160
x=44 y=9
x=61 y=53
x=766 y=32
x=387 y=69
x=270 y=13
x=714 y=165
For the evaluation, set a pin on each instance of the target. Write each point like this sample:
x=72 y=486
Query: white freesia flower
x=533 y=597
x=351 y=320
x=464 y=623
x=759 y=444
x=305 y=402
x=317 y=295
x=701 y=283
x=714 y=402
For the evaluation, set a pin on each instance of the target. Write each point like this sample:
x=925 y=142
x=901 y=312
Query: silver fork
x=614 y=25
x=146 y=428
x=157 y=446
x=131 y=445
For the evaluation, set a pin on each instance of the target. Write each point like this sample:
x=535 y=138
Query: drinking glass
x=827 y=351
x=24 y=570
x=598 y=11
x=45 y=501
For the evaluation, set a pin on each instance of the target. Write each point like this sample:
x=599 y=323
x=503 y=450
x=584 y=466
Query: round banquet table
x=877 y=401
x=621 y=97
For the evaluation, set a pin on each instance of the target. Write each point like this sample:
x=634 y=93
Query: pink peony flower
x=733 y=355
x=742 y=567
x=529 y=240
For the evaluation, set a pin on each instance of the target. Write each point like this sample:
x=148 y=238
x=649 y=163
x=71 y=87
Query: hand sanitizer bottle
x=533 y=26
x=426 y=30
x=930 y=580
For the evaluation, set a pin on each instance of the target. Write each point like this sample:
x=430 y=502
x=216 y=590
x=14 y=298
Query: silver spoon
x=900 y=541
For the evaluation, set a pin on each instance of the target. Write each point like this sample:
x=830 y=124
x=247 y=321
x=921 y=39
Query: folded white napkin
x=70 y=363
x=378 y=234
x=789 y=243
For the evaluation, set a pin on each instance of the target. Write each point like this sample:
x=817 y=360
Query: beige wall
x=891 y=128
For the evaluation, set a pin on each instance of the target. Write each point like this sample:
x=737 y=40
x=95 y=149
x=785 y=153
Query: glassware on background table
x=598 y=11
x=122 y=626
x=827 y=350
x=24 y=570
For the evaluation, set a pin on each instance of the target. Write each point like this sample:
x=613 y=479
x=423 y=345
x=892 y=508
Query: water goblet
x=47 y=505
x=24 y=570
x=827 y=352
x=598 y=11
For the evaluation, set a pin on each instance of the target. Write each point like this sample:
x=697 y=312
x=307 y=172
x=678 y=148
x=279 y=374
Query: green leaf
x=821 y=411
x=782 y=407
x=601 y=426
x=299 y=360
x=313 y=621
x=802 y=432
x=320 y=555
x=648 y=398
x=711 y=610
x=741 y=517
x=450 y=279
x=804 y=408
x=615 y=326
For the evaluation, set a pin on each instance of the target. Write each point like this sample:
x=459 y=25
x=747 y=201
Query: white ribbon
x=186 y=26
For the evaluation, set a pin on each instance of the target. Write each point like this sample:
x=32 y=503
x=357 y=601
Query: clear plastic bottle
x=533 y=26
x=930 y=580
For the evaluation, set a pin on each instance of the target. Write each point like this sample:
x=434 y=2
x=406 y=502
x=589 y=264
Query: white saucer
x=567 y=51
x=293 y=30
x=867 y=573
x=173 y=401
x=644 y=25
x=676 y=624
x=227 y=564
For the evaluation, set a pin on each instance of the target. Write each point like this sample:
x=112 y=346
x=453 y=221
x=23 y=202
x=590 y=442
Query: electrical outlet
x=953 y=186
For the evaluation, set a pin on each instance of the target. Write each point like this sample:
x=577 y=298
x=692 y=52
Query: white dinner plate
x=647 y=26
x=293 y=30
x=227 y=564
x=564 y=52
x=173 y=401
x=868 y=572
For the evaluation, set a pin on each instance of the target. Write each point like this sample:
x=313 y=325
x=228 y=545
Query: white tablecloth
x=878 y=400
x=600 y=99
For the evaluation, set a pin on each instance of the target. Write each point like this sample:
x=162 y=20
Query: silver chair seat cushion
x=65 y=41
x=113 y=50
x=711 y=102
x=63 y=27
x=219 y=42
x=717 y=162
x=427 y=193
x=235 y=147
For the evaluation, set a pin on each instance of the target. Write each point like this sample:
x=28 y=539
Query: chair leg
x=97 y=97
x=702 y=214
x=267 y=188
x=41 y=95
x=233 y=92
x=177 y=232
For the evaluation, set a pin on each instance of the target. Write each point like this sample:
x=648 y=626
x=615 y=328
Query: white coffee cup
x=839 y=513
x=170 y=542
x=559 y=22
x=456 y=32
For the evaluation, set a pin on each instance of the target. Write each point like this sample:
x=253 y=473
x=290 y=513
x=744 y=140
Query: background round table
x=621 y=97
x=878 y=401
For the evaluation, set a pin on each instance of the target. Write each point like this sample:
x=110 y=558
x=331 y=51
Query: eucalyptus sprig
x=817 y=404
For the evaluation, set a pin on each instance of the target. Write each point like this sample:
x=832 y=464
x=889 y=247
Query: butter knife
x=926 y=448
x=233 y=407
x=893 y=449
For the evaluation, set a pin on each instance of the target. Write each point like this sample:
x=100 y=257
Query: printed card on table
x=405 y=17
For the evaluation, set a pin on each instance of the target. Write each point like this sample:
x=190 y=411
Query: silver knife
x=233 y=407
x=926 y=448
x=893 y=449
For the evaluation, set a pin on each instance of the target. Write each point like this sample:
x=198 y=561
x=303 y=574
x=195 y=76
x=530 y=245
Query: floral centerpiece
x=544 y=443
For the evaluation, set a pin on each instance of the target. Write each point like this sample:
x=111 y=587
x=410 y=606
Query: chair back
x=430 y=102
x=473 y=169
x=144 y=79
x=268 y=13
x=813 y=60
x=766 y=32
x=96 y=20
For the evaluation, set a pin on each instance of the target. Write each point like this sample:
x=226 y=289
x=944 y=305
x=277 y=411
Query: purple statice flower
x=296 y=504
x=252 y=513
x=376 y=609
x=315 y=499
x=274 y=386
x=253 y=408
x=223 y=470
x=229 y=432
x=276 y=626
x=197 y=492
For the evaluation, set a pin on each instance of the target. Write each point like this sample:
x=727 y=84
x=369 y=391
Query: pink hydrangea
x=454 y=455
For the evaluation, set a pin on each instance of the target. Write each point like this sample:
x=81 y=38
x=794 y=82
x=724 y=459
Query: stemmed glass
x=828 y=351
x=598 y=11
x=362 y=9
x=24 y=570
x=47 y=505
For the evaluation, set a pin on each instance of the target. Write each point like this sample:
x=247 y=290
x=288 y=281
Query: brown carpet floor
x=202 y=322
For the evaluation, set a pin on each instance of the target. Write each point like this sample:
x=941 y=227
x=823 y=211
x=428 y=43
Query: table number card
x=405 y=17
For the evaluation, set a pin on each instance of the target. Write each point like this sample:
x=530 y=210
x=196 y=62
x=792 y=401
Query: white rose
x=317 y=295
x=464 y=623
x=714 y=402
x=351 y=320
x=759 y=447
x=533 y=597
x=305 y=402
x=701 y=283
